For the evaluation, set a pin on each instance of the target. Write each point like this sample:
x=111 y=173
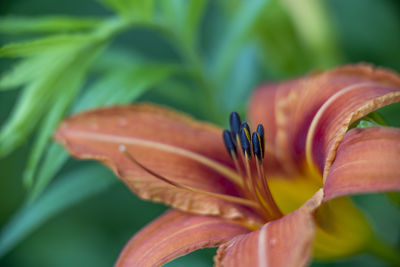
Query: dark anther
x=257 y=149
x=229 y=144
x=247 y=128
x=260 y=131
x=245 y=141
x=235 y=123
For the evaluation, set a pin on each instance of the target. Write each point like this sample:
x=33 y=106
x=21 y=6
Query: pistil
x=158 y=176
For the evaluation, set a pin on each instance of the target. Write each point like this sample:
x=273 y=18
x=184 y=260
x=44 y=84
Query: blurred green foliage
x=202 y=57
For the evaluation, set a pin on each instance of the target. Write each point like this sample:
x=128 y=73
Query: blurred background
x=201 y=57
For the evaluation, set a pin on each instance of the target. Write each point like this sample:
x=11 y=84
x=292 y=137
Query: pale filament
x=259 y=189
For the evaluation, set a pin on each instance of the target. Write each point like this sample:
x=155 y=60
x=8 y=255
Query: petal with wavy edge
x=175 y=234
x=367 y=160
x=170 y=144
x=335 y=116
x=284 y=242
x=295 y=104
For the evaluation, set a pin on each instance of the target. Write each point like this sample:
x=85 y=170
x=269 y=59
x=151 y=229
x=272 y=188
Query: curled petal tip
x=367 y=160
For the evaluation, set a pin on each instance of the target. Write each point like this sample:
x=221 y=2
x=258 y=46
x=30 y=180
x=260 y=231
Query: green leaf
x=245 y=75
x=55 y=157
x=23 y=25
x=313 y=26
x=185 y=96
x=27 y=112
x=372 y=119
x=172 y=12
x=117 y=58
x=65 y=42
x=194 y=13
x=70 y=189
x=68 y=87
x=390 y=114
x=120 y=7
x=38 y=97
x=395 y=198
x=184 y=17
x=120 y=86
x=279 y=46
x=29 y=69
x=131 y=10
x=242 y=24
x=143 y=10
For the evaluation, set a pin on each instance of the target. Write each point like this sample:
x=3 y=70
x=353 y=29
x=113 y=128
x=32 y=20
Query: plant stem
x=188 y=52
x=312 y=22
x=195 y=65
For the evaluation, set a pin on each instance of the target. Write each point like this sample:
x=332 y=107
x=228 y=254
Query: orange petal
x=172 y=145
x=284 y=242
x=175 y=234
x=367 y=160
x=334 y=117
x=296 y=103
x=266 y=107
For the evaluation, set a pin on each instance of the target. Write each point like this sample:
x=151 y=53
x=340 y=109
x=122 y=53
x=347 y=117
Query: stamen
x=250 y=178
x=256 y=186
x=260 y=131
x=246 y=127
x=235 y=122
x=233 y=199
x=231 y=140
x=257 y=148
x=245 y=140
x=229 y=144
x=262 y=185
x=231 y=148
x=265 y=191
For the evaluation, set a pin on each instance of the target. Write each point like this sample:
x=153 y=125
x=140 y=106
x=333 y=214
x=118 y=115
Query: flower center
x=254 y=180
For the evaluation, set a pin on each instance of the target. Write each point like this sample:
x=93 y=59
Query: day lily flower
x=278 y=196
